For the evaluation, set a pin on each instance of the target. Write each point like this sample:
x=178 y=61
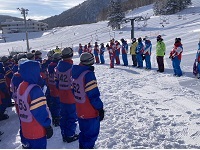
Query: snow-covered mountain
x=144 y=109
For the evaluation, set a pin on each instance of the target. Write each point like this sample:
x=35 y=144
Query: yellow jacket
x=58 y=50
x=133 y=48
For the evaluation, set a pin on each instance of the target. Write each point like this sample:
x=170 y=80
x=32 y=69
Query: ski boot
x=56 y=121
x=71 y=138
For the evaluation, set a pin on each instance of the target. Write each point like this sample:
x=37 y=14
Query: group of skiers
x=140 y=50
x=71 y=95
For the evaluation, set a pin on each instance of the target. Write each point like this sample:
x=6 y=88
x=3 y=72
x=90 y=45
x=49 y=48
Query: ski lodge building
x=11 y=26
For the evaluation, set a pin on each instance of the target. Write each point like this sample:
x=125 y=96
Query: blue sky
x=38 y=9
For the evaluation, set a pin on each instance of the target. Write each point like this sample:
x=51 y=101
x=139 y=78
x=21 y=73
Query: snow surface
x=143 y=109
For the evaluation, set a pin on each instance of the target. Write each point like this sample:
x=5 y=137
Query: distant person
x=176 y=56
x=88 y=103
x=102 y=50
x=33 y=113
x=117 y=52
x=160 y=53
x=196 y=67
x=80 y=49
x=57 y=50
x=139 y=53
x=147 y=52
x=111 y=55
x=133 y=51
x=96 y=53
x=124 y=52
x=89 y=48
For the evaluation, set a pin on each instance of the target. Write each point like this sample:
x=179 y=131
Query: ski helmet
x=56 y=56
x=87 y=59
x=4 y=59
x=67 y=52
x=50 y=53
x=30 y=56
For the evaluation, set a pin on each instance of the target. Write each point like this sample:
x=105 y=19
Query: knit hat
x=87 y=59
x=67 y=52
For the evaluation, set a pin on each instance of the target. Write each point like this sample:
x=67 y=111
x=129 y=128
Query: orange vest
x=31 y=130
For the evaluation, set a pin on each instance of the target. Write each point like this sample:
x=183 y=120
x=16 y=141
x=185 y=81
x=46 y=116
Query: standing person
x=102 y=50
x=3 y=94
x=38 y=56
x=33 y=114
x=8 y=77
x=57 y=50
x=117 y=52
x=89 y=48
x=196 y=67
x=112 y=55
x=160 y=52
x=15 y=82
x=67 y=100
x=88 y=103
x=139 y=53
x=30 y=56
x=80 y=49
x=133 y=51
x=85 y=48
x=176 y=56
x=96 y=52
x=124 y=52
x=44 y=74
x=147 y=53
x=54 y=104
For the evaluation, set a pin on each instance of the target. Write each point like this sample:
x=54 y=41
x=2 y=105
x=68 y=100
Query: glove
x=101 y=114
x=49 y=132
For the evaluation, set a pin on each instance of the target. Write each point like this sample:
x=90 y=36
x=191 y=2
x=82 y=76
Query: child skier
x=133 y=51
x=33 y=114
x=147 y=53
x=54 y=104
x=176 y=55
x=102 y=50
x=196 y=68
x=3 y=94
x=88 y=103
x=124 y=52
x=67 y=100
x=96 y=52
x=139 y=53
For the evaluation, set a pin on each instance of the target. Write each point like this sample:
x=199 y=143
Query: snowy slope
x=144 y=109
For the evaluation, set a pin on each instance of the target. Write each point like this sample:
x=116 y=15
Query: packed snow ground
x=144 y=109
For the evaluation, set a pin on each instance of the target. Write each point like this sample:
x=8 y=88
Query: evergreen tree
x=115 y=15
x=167 y=7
